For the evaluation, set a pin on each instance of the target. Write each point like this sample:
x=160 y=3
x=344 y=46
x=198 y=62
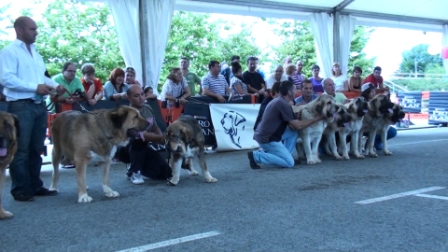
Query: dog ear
x=186 y=134
x=239 y=119
x=319 y=108
x=118 y=117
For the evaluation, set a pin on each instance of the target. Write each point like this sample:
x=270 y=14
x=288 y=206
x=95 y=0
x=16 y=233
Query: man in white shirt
x=22 y=73
x=277 y=76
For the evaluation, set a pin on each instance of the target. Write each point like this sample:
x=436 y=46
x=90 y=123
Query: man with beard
x=253 y=79
x=269 y=133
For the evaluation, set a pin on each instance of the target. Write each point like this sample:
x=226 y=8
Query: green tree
x=80 y=33
x=425 y=61
x=299 y=44
x=195 y=36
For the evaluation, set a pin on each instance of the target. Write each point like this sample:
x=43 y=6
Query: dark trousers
x=25 y=168
x=148 y=161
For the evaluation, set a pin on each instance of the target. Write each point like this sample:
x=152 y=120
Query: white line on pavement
x=399 y=195
x=171 y=242
x=431 y=196
x=429 y=141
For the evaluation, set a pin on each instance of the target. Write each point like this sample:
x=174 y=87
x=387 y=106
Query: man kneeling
x=277 y=116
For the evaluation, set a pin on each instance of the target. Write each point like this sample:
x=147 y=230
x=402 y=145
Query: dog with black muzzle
x=390 y=119
x=357 y=108
x=309 y=137
x=342 y=120
x=184 y=140
x=378 y=108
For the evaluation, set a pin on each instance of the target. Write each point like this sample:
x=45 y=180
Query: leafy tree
x=193 y=35
x=299 y=44
x=80 y=33
x=425 y=61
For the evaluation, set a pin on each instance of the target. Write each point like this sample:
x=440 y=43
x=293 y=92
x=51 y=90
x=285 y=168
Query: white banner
x=234 y=125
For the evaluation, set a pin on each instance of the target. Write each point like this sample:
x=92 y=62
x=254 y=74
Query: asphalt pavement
x=389 y=203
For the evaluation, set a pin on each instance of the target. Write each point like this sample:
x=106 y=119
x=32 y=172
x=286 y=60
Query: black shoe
x=45 y=192
x=24 y=197
x=252 y=162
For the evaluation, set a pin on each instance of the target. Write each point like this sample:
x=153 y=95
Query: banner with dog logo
x=234 y=125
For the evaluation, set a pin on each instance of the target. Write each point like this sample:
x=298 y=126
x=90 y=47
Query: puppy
x=378 y=108
x=342 y=120
x=324 y=105
x=390 y=119
x=184 y=140
x=357 y=108
x=9 y=131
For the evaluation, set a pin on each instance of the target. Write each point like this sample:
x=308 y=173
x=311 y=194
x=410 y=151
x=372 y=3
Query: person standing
x=192 y=79
x=22 y=72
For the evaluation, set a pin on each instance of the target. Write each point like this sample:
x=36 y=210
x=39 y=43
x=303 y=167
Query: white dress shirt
x=21 y=71
x=271 y=80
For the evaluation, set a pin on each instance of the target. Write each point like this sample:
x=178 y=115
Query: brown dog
x=184 y=140
x=92 y=137
x=9 y=131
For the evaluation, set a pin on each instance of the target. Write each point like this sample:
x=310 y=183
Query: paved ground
x=307 y=208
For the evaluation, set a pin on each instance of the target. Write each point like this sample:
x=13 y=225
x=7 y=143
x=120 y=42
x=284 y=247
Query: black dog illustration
x=231 y=122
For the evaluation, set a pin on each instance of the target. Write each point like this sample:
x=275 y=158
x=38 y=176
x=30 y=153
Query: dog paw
x=311 y=162
x=318 y=161
x=111 y=194
x=387 y=153
x=346 y=157
x=172 y=182
x=53 y=188
x=373 y=155
x=337 y=157
x=84 y=198
x=5 y=214
x=211 y=180
x=359 y=156
x=194 y=173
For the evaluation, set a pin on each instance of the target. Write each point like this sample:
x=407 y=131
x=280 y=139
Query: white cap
x=366 y=86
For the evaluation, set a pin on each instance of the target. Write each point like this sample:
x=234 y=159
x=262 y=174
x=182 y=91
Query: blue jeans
x=289 y=139
x=25 y=168
x=277 y=153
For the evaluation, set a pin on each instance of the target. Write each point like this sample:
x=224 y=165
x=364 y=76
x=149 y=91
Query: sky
x=386 y=44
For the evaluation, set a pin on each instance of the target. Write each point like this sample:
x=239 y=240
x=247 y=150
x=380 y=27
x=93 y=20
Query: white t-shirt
x=271 y=80
x=339 y=82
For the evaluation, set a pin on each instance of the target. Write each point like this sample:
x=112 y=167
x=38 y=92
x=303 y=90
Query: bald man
x=22 y=73
x=144 y=160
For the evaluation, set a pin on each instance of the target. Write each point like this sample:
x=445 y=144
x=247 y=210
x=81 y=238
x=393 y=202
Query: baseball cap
x=366 y=86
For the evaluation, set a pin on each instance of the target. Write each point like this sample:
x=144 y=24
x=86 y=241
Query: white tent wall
x=322 y=27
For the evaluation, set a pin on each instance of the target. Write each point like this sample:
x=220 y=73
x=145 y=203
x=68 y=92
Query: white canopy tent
x=143 y=25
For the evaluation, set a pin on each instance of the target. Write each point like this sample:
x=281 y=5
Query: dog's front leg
x=370 y=144
x=315 y=149
x=355 y=143
x=105 y=168
x=384 y=141
x=343 y=144
x=306 y=140
x=332 y=144
x=175 y=163
x=83 y=197
x=3 y=213
x=205 y=172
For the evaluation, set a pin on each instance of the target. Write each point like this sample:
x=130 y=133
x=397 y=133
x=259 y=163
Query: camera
x=79 y=93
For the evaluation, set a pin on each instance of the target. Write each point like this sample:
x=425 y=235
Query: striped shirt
x=216 y=85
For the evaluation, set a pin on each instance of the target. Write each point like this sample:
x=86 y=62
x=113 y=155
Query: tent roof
x=426 y=15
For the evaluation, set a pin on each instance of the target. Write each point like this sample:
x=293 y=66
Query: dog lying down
x=184 y=140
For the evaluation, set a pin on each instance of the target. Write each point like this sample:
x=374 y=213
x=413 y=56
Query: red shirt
x=96 y=82
x=376 y=82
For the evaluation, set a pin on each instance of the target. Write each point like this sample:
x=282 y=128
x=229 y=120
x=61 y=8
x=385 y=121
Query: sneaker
x=252 y=162
x=137 y=178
